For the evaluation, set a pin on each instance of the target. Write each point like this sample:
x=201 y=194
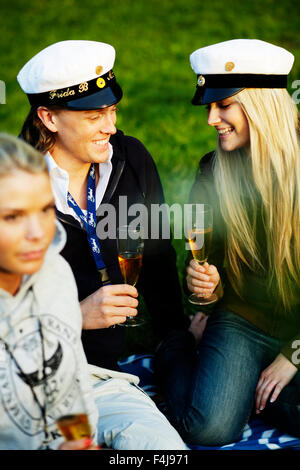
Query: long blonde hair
x=263 y=181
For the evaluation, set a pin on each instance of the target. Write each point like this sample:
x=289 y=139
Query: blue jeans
x=210 y=393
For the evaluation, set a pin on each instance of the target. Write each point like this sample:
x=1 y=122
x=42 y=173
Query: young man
x=73 y=94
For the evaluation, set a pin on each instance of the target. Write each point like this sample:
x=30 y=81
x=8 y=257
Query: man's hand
x=272 y=380
x=109 y=306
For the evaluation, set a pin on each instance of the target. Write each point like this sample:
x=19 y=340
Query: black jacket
x=133 y=175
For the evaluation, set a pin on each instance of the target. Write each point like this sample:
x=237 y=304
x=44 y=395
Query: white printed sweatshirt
x=49 y=295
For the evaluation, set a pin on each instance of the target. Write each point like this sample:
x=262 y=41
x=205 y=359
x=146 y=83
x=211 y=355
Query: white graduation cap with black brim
x=73 y=74
x=225 y=68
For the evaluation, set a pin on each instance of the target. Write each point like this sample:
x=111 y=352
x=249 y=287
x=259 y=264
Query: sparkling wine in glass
x=200 y=238
x=75 y=425
x=130 y=255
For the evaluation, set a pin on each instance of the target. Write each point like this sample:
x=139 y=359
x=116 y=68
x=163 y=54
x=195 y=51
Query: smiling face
x=27 y=223
x=230 y=122
x=83 y=136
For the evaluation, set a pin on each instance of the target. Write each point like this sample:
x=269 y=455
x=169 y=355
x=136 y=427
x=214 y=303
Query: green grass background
x=153 y=40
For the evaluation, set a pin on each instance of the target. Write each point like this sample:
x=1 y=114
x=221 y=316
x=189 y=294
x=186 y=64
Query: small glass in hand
x=200 y=237
x=130 y=255
x=75 y=425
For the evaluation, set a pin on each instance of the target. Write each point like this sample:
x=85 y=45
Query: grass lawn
x=153 y=40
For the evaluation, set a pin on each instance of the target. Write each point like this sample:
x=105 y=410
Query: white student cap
x=75 y=74
x=225 y=68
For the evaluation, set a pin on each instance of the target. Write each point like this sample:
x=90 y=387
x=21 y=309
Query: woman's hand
x=272 y=380
x=197 y=325
x=80 y=444
x=108 y=306
x=202 y=279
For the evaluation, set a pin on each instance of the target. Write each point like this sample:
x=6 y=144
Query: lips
x=225 y=131
x=101 y=142
x=32 y=255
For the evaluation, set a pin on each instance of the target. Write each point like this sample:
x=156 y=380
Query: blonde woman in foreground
x=44 y=372
x=248 y=358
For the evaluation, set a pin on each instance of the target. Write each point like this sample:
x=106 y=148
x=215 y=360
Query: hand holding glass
x=200 y=237
x=130 y=255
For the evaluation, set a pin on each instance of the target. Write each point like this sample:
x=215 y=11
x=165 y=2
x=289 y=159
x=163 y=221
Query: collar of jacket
x=122 y=145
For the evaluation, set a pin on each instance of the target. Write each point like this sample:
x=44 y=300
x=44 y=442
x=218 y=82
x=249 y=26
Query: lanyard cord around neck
x=89 y=221
x=26 y=379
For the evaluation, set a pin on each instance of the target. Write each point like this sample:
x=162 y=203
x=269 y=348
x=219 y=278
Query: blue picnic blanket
x=257 y=435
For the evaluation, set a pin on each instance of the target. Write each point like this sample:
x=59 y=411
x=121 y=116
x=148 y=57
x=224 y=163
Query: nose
x=34 y=229
x=108 y=124
x=213 y=116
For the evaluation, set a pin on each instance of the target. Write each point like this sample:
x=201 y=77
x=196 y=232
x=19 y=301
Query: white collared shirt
x=60 y=183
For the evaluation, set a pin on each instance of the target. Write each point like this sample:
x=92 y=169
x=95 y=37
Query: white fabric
x=105 y=374
x=60 y=183
x=244 y=55
x=77 y=61
x=130 y=420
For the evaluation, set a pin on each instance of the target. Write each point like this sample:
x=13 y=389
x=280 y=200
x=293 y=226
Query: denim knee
x=209 y=430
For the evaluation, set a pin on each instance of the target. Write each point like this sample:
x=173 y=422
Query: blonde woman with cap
x=248 y=357
x=73 y=93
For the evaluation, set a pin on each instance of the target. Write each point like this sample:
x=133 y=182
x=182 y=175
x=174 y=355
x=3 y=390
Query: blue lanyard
x=89 y=221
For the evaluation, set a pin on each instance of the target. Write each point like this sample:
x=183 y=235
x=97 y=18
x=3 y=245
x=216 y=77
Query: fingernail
x=88 y=442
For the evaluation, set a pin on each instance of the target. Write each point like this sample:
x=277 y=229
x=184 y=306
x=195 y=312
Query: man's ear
x=47 y=116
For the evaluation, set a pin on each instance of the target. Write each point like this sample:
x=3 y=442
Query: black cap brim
x=101 y=99
x=210 y=95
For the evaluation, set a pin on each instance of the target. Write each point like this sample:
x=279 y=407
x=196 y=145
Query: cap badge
x=201 y=80
x=99 y=69
x=100 y=82
x=229 y=66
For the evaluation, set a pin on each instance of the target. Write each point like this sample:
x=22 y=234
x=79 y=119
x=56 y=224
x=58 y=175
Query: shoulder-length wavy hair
x=35 y=133
x=263 y=182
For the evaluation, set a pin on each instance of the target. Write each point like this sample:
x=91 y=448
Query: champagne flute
x=75 y=425
x=200 y=237
x=130 y=255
